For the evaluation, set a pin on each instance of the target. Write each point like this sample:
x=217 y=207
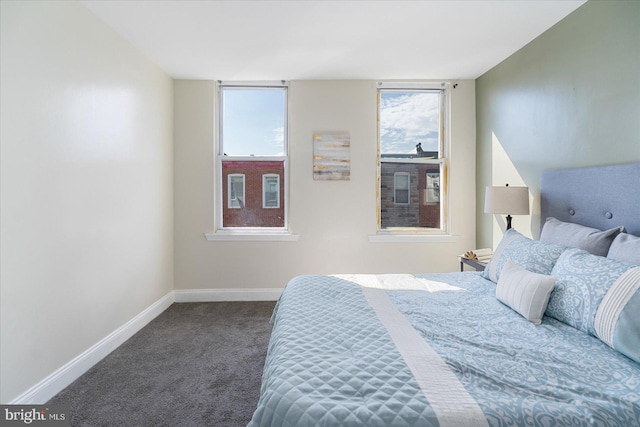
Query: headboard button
x=608 y=215
x=572 y=212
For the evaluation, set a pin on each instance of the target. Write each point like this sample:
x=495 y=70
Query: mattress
x=433 y=350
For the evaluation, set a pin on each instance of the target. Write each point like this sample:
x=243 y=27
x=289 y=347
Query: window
x=236 y=191
x=433 y=188
x=270 y=191
x=401 y=188
x=252 y=156
x=412 y=157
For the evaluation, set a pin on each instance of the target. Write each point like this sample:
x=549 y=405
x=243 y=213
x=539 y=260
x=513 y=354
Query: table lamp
x=507 y=200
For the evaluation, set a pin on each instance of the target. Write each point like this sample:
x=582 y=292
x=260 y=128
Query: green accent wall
x=570 y=98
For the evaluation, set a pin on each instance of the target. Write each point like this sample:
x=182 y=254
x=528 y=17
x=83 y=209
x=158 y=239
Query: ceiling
x=306 y=39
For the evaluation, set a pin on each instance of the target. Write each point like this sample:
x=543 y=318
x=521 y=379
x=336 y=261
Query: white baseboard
x=57 y=381
x=218 y=295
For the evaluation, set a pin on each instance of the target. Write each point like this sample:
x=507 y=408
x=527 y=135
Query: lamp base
x=508 y=222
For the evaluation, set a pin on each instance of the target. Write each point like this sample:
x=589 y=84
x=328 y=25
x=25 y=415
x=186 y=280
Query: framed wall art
x=331 y=156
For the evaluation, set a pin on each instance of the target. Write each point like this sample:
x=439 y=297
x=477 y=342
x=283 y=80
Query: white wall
x=333 y=219
x=87 y=208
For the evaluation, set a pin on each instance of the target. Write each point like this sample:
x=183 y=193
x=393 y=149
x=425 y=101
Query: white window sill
x=252 y=236
x=413 y=238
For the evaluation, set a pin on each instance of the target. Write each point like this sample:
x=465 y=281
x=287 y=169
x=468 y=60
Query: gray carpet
x=197 y=364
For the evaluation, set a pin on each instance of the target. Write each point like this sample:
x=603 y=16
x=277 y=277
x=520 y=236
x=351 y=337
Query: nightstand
x=479 y=266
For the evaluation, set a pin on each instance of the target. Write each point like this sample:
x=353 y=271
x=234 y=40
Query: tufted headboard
x=602 y=197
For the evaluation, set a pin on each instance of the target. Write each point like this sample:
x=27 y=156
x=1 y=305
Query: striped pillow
x=617 y=322
x=525 y=292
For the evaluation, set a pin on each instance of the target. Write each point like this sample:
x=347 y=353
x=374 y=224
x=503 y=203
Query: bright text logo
x=37 y=415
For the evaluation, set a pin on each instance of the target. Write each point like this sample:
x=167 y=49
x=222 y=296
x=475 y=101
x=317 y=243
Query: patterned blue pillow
x=532 y=255
x=582 y=280
x=617 y=322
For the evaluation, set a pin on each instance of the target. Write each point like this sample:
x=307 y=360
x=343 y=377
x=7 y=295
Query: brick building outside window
x=251 y=211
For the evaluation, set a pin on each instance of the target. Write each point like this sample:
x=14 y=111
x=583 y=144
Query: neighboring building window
x=252 y=144
x=270 y=191
x=412 y=157
x=236 y=191
x=433 y=188
x=401 y=188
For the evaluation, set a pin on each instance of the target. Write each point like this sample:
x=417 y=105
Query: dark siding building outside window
x=423 y=209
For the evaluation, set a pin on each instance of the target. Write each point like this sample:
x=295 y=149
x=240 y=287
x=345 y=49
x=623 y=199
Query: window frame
x=223 y=232
x=427 y=188
x=230 y=177
x=396 y=175
x=444 y=149
x=265 y=177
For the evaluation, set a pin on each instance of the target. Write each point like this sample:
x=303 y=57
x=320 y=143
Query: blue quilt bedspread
x=331 y=362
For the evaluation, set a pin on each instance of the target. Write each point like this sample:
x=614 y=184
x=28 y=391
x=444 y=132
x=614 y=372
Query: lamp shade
x=507 y=200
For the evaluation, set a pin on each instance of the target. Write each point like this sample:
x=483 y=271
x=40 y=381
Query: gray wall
x=570 y=98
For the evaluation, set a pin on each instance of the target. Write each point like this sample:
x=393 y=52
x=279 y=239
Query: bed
x=547 y=335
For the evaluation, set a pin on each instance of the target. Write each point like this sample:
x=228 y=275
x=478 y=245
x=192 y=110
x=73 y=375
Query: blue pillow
x=578 y=236
x=625 y=248
x=532 y=255
x=617 y=322
x=582 y=280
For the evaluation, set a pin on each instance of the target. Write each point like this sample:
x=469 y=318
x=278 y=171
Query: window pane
x=402 y=197
x=250 y=210
x=402 y=181
x=236 y=191
x=252 y=142
x=253 y=121
x=416 y=206
x=401 y=188
x=271 y=192
x=410 y=123
x=433 y=188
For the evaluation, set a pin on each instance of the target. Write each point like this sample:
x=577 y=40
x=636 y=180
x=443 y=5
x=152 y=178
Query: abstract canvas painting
x=331 y=156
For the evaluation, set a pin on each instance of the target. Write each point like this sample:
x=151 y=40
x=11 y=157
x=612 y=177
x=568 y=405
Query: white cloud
x=408 y=119
x=276 y=143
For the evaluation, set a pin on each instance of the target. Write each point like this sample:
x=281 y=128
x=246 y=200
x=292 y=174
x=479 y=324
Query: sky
x=408 y=118
x=253 y=122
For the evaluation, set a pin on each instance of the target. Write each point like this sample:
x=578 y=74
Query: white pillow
x=525 y=292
